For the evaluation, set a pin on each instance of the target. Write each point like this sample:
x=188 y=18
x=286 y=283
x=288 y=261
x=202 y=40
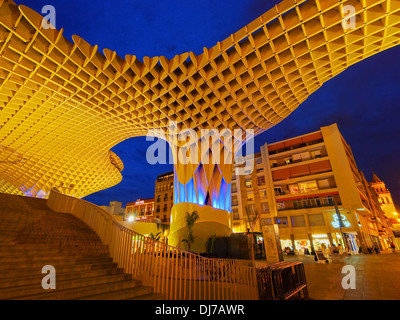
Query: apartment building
x=141 y=209
x=164 y=196
x=300 y=183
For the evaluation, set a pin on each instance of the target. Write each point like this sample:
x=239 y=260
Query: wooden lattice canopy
x=64 y=105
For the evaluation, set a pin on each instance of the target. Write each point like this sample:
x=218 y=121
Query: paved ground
x=377 y=277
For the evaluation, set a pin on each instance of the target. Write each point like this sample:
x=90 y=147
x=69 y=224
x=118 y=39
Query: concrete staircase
x=33 y=236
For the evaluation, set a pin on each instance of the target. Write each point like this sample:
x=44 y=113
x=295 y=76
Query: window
x=294 y=188
x=316 y=154
x=250 y=196
x=298 y=221
x=263 y=194
x=264 y=207
x=308 y=186
x=323 y=184
x=280 y=205
x=316 y=220
x=278 y=191
x=282 y=222
x=261 y=181
x=249 y=183
x=158 y=209
x=288 y=160
x=266 y=221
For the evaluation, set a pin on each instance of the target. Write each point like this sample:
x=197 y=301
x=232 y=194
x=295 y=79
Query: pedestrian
x=393 y=246
x=260 y=245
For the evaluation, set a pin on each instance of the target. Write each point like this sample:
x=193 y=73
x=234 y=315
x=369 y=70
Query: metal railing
x=178 y=274
x=282 y=281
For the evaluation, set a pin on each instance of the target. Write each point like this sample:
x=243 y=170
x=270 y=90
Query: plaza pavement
x=377 y=277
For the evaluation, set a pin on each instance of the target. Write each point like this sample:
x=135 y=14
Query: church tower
x=385 y=200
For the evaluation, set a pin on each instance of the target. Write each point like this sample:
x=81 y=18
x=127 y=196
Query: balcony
x=288 y=194
x=292 y=162
x=308 y=203
x=301 y=145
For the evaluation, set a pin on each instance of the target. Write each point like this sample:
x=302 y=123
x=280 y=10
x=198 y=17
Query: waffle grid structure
x=64 y=105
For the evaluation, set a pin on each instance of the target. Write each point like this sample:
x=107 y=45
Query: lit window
x=308 y=186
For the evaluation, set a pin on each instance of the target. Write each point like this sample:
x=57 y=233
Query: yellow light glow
x=61 y=100
x=319 y=236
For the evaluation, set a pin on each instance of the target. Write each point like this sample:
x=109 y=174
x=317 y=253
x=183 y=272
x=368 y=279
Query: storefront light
x=318 y=236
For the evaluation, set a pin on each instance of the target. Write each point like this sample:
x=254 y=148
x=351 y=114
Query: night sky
x=363 y=100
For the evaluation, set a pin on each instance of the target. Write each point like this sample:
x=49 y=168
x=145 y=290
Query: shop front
x=320 y=240
x=302 y=246
x=286 y=244
x=352 y=242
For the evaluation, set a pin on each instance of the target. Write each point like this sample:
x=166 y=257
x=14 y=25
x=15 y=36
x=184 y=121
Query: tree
x=252 y=217
x=210 y=244
x=191 y=218
x=156 y=236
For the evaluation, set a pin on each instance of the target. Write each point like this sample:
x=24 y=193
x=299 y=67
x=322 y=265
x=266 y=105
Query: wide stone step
x=28 y=290
x=52 y=252
x=78 y=293
x=12 y=259
x=18 y=280
x=54 y=261
x=32 y=236
x=24 y=272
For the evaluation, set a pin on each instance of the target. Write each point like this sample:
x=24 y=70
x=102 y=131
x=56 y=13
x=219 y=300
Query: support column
x=330 y=238
x=276 y=255
x=202 y=184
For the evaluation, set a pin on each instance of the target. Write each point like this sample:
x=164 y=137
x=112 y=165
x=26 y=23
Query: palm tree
x=190 y=220
x=156 y=236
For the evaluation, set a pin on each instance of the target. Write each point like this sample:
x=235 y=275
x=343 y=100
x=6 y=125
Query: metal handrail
x=178 y=274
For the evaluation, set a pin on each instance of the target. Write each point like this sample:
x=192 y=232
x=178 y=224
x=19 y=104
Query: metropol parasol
x=64 y=105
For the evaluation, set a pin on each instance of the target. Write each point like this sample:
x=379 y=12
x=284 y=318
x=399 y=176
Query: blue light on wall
x=336 y=222
x=187 y=193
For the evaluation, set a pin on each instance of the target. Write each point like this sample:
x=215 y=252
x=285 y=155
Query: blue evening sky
x=363 y=100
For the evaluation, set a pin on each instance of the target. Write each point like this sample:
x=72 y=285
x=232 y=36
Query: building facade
x=116 y=209
x=300 y=184
x=142 y=210
x=164 y=196
x=385 y=200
